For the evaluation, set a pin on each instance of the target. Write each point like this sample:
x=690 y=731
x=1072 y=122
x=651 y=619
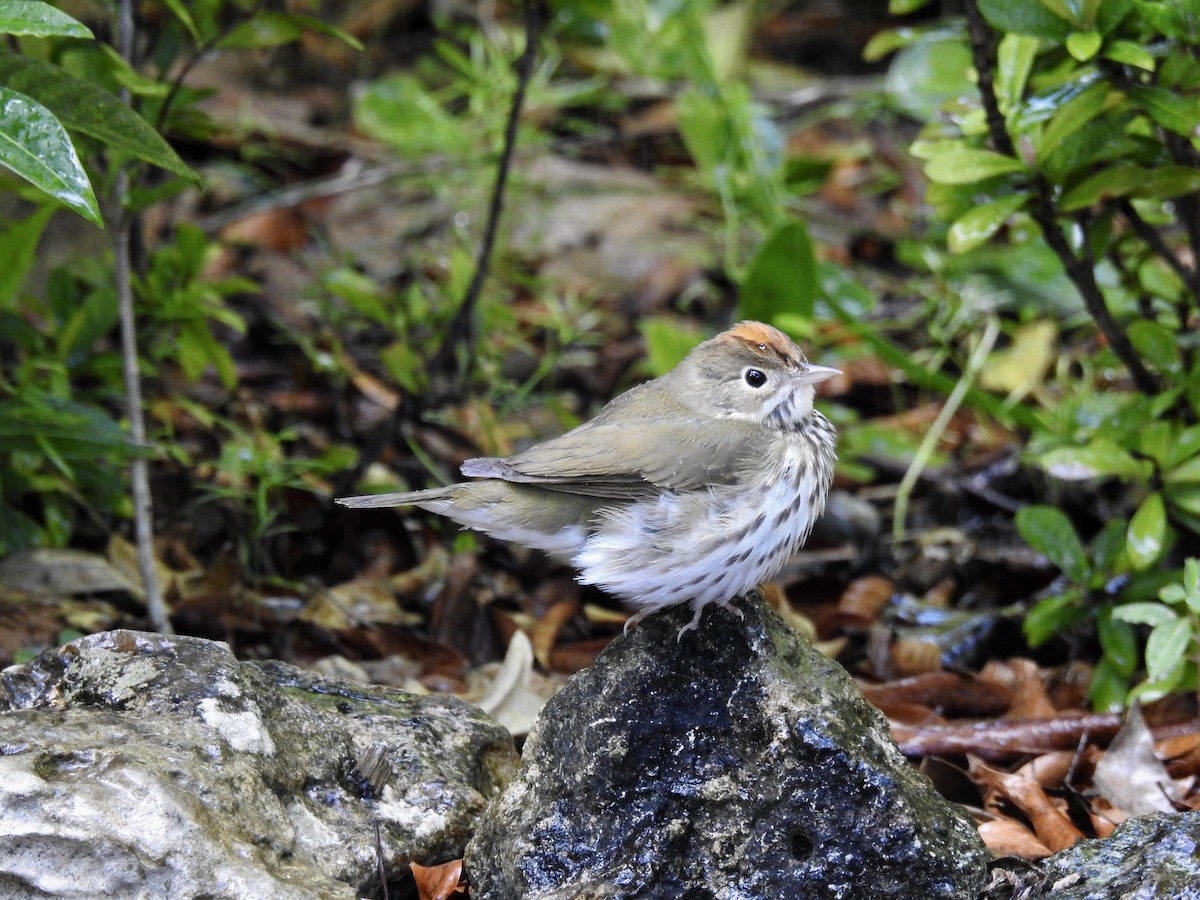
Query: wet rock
x=133 y=765
x=1153 y=857
x=737 y=763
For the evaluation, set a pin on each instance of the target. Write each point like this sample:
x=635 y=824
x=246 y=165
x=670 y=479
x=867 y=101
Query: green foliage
x=1078 y=136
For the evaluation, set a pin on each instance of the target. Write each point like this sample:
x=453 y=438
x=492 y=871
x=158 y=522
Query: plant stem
x=461 y=331
x=1079 y=268
x=123 y=222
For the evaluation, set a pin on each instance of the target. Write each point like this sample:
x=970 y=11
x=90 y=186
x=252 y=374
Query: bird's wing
x=631 y=459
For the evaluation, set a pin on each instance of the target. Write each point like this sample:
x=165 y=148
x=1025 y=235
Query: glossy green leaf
x=1107 y=546
x=929 y=73
x=1145 y=614
x=35 y=146
x=1083 y=45
x=34 y=19
x=1048 y=531
x=1071 y=116
x=1166 y=646
x=1172 y=111
x=1185 y=447
x=1014 y=62
x=1029 y=17
x=1129 y=180
x=1185 y=496
x=1147 y=535
x=967 y=166
x=1130 y=54
x=983 y=221
x=1099 y=459
x=782 y=277
x=1187 y=472
x=90 y=109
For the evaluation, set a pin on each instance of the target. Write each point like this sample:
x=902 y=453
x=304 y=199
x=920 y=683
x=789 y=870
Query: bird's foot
x=692 y=625
x=732 y=607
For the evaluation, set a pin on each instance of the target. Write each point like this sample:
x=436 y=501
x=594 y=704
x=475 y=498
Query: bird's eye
x=755 y=378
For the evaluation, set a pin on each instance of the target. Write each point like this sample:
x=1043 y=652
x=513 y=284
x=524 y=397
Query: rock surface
x=133 y=765
x=737 y=764
x=1153 y=857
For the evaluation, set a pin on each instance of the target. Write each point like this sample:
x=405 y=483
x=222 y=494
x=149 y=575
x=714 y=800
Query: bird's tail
x=408 y=498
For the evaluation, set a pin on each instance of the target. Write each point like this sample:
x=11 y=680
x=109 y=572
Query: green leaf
x=1083 y=45
x=967 y=166
x=1156 y=344
x=34 y=145
x=1050 y=616
x=1048 y=531
x=1108 y=687
x=974 y=228
x=1107 y=546
x=399 y=110
x=1099 y=459
x=1166 y=646
x=1191 y=584
x=1170 y=110
x=1070 y=117
x=782 y=277
x=18 y=249
x=1147 y=536
x=1130 y=54
x=1014 y=62
x=928 y=74
x=1185 y=497
x=1119 y=642
x=36 y=19
x=1148 y=613
x=668 y=341
x=1185 y=447
x=85 y=107
x=1129 y=180
x=1025 y=17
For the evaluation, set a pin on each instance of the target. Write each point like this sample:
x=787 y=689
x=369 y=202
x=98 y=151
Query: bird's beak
x=811 y=374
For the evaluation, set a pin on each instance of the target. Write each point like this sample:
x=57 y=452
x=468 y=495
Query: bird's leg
x=692 y=625
x=729 y=605
x=635 y=618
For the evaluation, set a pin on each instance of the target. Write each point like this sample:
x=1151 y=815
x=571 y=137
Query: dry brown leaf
x=1051 y=825
x=1029 y=697
x=439 y=882
x=911 y=657
x=863 y=598
x=1050 y=770
x=1001 y=740
x=547 y=628
x=1008 y=837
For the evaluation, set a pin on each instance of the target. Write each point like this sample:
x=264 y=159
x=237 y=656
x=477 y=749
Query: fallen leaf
x=1008 y=837
x=439 y=882
x=1130 y=776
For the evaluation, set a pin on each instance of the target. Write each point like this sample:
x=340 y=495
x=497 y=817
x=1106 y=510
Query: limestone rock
x=738 y=764
x=133 y=765
x=1152 y=857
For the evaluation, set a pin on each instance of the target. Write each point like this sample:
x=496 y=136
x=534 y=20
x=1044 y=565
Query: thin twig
x=123 y=223
x=1079 y=268
x=460 y=335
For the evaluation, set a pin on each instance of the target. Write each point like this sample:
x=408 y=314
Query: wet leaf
x=974 y=228
x=1083 y=45
x=1025 y=17
x=1098 y=459
x=34 y=145
x=1147 y=535
x=967 y=166
x=88 y=108
x=1167 y=108
x=37 y=19
x=1165 y=649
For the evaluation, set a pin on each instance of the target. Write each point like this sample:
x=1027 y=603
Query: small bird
x=691 y=488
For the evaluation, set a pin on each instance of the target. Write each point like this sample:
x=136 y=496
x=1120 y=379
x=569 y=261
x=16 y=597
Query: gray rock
x=1153 y=857
x=738 y=763
x=133 y=765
